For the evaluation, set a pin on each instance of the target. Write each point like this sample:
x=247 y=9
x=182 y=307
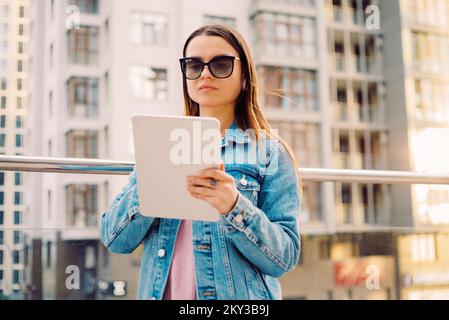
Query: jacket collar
x=234 y=133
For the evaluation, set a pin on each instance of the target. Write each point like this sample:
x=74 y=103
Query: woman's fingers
x=198 y=181
x=205 y=191
x=214 y=173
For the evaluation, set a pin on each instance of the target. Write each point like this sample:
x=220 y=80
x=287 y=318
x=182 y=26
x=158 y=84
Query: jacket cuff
x=240 y=214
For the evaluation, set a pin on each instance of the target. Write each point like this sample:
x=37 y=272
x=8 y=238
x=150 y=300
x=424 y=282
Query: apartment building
x=334 y=80
x=14 y=19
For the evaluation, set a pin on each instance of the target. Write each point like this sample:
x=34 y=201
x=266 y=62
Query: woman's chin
x=209 y=105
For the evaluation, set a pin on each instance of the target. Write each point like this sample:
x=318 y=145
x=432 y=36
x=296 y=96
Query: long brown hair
x=247 y=114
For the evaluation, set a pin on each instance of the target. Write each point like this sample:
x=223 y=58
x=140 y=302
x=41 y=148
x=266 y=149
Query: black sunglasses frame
x=182 y=60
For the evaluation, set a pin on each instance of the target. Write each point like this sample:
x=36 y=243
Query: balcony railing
x=96 y=166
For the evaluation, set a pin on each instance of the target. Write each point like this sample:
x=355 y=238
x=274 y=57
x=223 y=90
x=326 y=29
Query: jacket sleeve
x=122 y=226
x=268 y=235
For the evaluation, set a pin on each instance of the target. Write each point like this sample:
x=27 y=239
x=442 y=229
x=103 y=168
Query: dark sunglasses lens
x=221 y=67
x=192 y=68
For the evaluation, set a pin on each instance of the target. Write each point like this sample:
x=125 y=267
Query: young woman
x=256 y=239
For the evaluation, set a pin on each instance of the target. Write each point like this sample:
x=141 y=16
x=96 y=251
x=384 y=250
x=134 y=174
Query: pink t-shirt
x=181 y=278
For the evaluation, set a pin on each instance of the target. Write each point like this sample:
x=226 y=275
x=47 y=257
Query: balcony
x=341 y=160
x=340 y=111
x=358 y=161
x=357 y=17
x=344 y=214
x=337 y=14
x=338 y=61
x=357 y=64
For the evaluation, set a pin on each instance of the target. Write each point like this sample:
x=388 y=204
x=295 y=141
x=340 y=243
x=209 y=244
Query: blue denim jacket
x=238 y=257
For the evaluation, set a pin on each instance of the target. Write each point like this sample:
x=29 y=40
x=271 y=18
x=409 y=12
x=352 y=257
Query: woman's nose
x=206 y=73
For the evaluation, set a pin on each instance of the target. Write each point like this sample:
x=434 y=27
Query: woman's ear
x=244 y=85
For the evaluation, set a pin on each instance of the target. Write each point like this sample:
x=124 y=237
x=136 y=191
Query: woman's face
x=225 y=91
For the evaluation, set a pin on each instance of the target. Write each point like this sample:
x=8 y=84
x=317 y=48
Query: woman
x=256 y=239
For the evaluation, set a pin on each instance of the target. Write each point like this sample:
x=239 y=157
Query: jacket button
x=161 y=253
x=239 y=218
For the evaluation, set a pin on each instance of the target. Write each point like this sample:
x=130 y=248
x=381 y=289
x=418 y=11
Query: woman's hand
x=221 y=194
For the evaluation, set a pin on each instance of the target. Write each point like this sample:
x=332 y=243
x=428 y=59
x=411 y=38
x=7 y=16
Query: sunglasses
x=220 y=67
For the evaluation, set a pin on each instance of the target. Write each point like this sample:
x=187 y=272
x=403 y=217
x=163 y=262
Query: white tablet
x=167 y=150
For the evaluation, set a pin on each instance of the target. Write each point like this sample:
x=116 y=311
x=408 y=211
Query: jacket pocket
x=246 y=181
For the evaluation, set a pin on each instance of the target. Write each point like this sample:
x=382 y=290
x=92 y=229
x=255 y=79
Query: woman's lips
x=206 y=87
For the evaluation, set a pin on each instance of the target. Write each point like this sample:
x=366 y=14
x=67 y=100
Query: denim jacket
x=240 y=256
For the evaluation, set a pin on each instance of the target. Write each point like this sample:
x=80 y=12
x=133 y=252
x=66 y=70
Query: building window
x=210 y=19
x=1 y=237
x=4 y=11
x=286 y=35
x=50 y=103
x=149 y=28
x=48 y=249
x=3 y=102
x=49 y=204
x=2 y=217
x=429 y=52
x=423 y=248
x=148 y=83
x=2 y=139
x=18 y=198
x=3 y=66
x=82 y=143
x=106 y=86
x=20 y=47
x=17 y=237
x=18 y=178
x=106 y=33
x=82 y=205
x=50 y=57
x=1 y=262
x=17 y=217
x=21 y=29
x=19 y=141
x=289 y=88
x=83 y=97
x=2 y=178
x=16 y=257
x=3 y=121
x=4 y=84
x=19 y=122
x=19 y=102
x=19 y=84
x=19 y=66
x=431 y=96
x=21 y=12
x=433 y=13
x=86 y=6
x=16 y=276
x=83 y=45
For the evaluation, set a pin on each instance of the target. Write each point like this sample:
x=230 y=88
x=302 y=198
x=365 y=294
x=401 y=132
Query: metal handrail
x=99 y=166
